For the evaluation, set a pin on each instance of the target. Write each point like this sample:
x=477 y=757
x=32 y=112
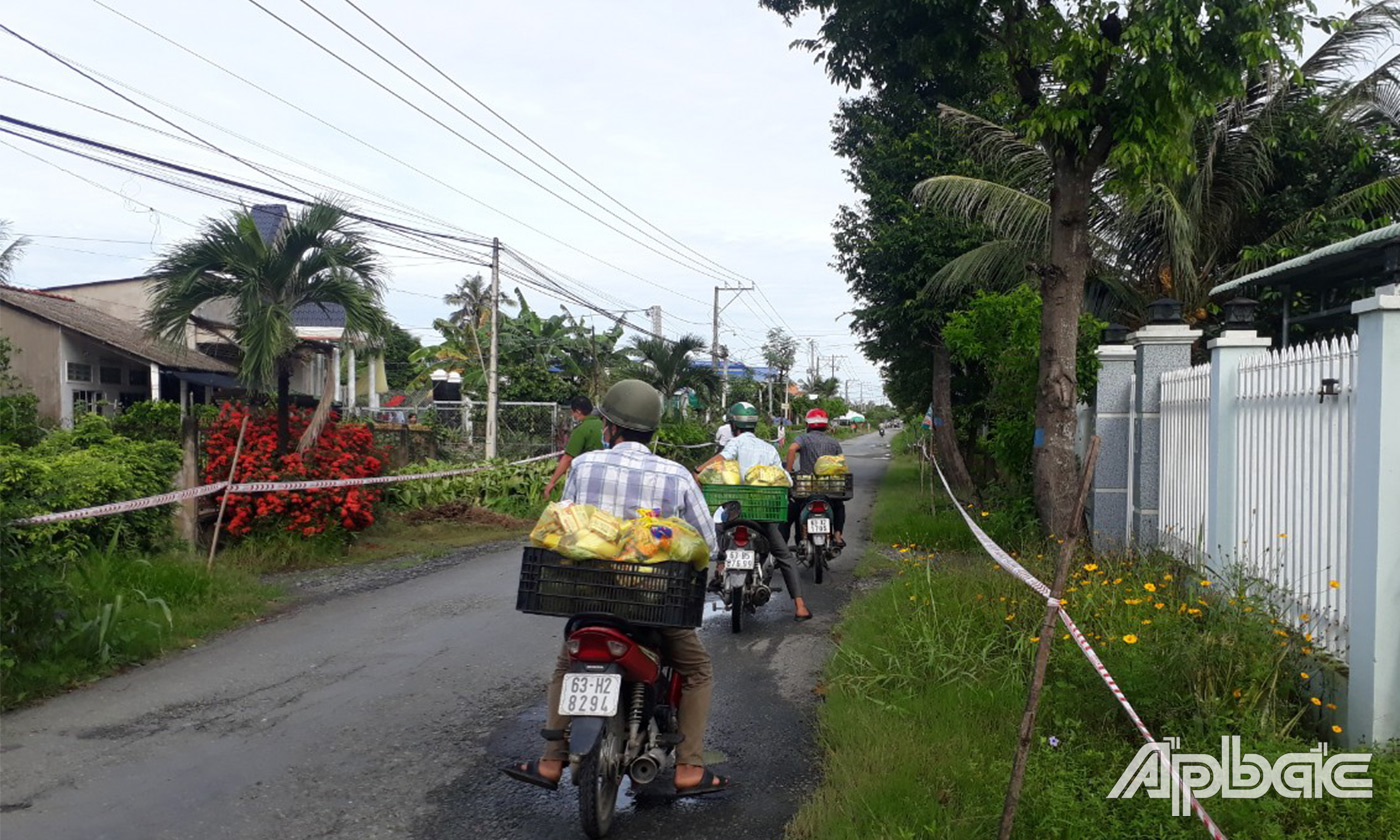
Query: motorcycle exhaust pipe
x=646 y=766
x=761 y=594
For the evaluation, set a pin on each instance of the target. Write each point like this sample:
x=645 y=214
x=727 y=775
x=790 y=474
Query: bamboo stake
x=1042 y=651
x=223 y=503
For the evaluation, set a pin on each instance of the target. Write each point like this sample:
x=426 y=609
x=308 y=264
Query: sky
x=697 y=116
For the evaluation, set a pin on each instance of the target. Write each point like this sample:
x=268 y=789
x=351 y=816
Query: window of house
x=94 y=402
x=110 y=375
x=138 y=377
x=78 y=372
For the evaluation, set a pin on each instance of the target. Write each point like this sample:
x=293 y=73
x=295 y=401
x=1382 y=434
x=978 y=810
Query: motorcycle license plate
x=738 y=559
x=590 y=695
x=818 y=526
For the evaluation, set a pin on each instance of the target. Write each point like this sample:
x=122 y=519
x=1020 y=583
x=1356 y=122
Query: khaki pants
x=690 y=659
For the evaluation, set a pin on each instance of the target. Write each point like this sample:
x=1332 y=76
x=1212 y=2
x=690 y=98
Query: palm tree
x=1181 y=237
x=821 y=388
x=668 y=367
x=10 y=254
x=472 y=300
x=319 y=256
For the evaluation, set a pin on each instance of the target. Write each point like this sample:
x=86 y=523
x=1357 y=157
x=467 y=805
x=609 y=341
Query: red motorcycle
x=621 y=695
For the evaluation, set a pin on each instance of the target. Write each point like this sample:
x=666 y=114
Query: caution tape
x=1020 y=572
x=256 y=487
x=124 y=507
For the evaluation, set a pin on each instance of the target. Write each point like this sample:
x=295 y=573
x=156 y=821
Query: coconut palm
x=320 y=256
x=1181 y=237
x=10 y=254
x=668 y=367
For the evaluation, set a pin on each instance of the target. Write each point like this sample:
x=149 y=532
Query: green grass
x=926 y=690
x=121 y=610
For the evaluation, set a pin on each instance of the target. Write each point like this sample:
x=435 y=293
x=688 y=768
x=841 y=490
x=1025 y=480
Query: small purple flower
x=1054 y=742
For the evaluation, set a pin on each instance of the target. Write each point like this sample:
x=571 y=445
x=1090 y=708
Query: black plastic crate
x=839 y=487
x=669 y=594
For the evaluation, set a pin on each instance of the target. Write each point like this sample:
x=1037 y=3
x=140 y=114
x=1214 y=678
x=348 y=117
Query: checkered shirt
x=628 y=478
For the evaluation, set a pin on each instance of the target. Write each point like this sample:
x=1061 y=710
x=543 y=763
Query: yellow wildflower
x=1193 y=611
x=1205 y=583
x=1283 y=536
x=1130 y=639
x=1315 y=701
x=1304 y=617
x=1035 y=638
x=1090 y=567
x=1332 y=706
x=1337 y=729
x=985 y=513
x=1307 y=637
x=1117 y=581
x=1334 y=584
x=1307 y=651
x=1167 y=576
x=1010 y=616
x=1303 y=674
x=1159 y=605
x=1150 y=587
x=1132 y=602
x=1147 y=621
x=1236 y=692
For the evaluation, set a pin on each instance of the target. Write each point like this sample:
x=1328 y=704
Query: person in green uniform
x=586 y=437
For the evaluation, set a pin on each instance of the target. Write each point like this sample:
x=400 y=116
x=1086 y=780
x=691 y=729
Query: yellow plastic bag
x=832 y=465
x=721 y=472
x=586 y=545
x=766 y=475
x=731 y=472
x=687 y=545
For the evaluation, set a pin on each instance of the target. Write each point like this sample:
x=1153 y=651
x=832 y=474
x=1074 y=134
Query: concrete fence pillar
x=1373 y=585
x=1112 y=402
x=1226 y=353
x=1160 y=348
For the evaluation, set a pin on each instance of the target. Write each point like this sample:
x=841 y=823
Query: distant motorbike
x=815 y=521
x=747 y=581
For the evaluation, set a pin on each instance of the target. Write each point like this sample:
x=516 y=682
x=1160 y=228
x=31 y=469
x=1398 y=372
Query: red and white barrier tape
x=255 y=487
x=1009 y=563
x=124 y=507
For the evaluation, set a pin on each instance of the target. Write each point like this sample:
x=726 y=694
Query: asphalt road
x=384 y=714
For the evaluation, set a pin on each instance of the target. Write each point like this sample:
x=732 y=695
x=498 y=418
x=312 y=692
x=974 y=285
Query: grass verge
x=926 y=689
x=121 y=611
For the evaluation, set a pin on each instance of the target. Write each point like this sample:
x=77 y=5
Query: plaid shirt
x=628 y=478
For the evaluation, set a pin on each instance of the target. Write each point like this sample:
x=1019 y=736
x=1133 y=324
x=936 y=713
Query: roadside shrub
x=342 y=451
x=82 y=467
x=149 y=421
x=515 y=490
x=19 y=411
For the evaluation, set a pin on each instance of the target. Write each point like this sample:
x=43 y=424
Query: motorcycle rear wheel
x=736 y=609
x=818 y=563
x=600 y=776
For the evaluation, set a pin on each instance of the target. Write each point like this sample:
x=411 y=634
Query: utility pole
x=813 y=370
x=724 y=386
x=491 y=399
x=714 y=342
x=655 y=313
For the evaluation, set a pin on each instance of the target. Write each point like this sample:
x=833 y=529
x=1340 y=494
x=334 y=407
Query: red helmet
x=817 y=419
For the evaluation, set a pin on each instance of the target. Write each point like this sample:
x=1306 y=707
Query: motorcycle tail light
x=617 y=649
x=573 y=647
x=741 y=537
x=818 y=507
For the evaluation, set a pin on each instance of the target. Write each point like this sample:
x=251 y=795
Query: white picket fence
x=1185 y=436
x=1295 y=451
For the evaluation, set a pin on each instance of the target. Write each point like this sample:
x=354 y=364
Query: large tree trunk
x=1062 y=292
x=944 y=438
x=284 y=406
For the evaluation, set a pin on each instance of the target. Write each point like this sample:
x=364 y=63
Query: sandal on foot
x=529 y=773
x=709 y=783
x=808 y=617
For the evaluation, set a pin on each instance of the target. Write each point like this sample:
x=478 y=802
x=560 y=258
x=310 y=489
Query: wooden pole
x=223 y=503
x=1042 y=651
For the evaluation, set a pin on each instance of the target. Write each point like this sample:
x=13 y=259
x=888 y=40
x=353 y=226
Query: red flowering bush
x=340 y=452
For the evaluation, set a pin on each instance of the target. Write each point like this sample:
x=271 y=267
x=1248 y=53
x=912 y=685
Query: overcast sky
x=696 y=115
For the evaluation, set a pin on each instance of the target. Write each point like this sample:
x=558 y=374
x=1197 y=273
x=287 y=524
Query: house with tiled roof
x=73 y=355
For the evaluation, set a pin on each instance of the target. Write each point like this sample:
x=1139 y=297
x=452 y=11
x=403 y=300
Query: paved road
x=383 y=714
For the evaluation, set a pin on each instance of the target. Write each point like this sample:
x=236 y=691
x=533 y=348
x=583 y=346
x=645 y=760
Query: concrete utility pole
x=724 y=386
x=714 y=341
x=491 y=400
x=813 y=369
x=655 y=313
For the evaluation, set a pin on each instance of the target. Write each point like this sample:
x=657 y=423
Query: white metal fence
x=1185 y=450
x=1295 y=452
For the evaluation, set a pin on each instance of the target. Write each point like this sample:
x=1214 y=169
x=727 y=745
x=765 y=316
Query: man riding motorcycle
x=803 y=454
x=621 y=480
x=750 y=450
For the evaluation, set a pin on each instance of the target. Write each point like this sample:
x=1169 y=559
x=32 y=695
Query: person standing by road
x=750 y=450
x=723 y=435
x=586 y=437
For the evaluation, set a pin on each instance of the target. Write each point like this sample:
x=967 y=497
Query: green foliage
x=149 y=421
x=998 y=336
x=515 y=490
x=82 y=467
x=666 y=366
x=19 y=410
x=399 y=346
x=675 y=434
x=936 y=663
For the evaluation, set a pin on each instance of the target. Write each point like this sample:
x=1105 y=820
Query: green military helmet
x=632 y=404
x=743 y=417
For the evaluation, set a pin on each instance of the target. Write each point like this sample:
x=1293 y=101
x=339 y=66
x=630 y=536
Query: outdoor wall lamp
x=1239 y=313
x=1164 y=311
x=1114 y=334
x=1329 y=389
